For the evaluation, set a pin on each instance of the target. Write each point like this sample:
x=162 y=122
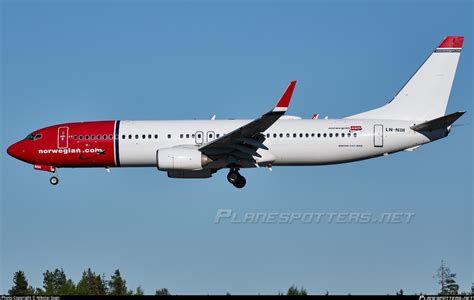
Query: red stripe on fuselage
x=86 y=144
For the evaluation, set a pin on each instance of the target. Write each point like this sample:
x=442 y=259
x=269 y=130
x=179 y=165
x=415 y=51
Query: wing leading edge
x=240 y=145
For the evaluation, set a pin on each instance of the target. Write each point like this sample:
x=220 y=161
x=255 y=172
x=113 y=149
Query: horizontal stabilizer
x=438 y=123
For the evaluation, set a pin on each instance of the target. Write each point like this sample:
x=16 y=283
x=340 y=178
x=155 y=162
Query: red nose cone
x=16 y=150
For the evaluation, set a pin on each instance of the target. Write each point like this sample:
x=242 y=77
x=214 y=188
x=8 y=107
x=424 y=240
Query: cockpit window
x=33 y=137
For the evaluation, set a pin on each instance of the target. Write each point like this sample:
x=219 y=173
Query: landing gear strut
x=236 y=179
x=54 y=179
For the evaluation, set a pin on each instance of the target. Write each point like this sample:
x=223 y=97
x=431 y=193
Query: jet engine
x=186 y=158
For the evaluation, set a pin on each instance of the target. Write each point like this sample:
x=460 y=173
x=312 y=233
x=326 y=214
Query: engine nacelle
x=187 y=158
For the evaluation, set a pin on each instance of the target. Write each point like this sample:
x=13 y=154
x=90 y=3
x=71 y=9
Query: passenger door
x=378 y=135
x=63 y=135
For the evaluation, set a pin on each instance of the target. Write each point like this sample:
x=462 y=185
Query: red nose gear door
x=63 y=137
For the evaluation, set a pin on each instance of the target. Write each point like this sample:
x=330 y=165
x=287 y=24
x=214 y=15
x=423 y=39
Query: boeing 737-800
x=199 y=148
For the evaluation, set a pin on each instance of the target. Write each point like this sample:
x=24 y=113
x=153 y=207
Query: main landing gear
x=236 y=179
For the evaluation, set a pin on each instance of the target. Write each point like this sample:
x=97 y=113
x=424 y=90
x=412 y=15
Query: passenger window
x=193 y=135
x=187 y=135
x=143 y=136
x=149 y=136
x=307 y=135
x=294 y=135
x=319 y=135
x=123 y=136
x=98 y=136
x=169 y=136
x=75 y=137
x=325 y=135
x=268 y=135
x=312 y=134
x=218 y=135
x=92 y=137
x=355 y=134
x=274 y=135
x=136 y=136
x=181 y=136
x=342 y=134
x=349 y=134
x=87 y=137
x=80 y=137
x=287 y=135
x=330 y=135
x=105 y=137
x=301 y=135
x=156 y=136
x=337 y=134
x=111 y=137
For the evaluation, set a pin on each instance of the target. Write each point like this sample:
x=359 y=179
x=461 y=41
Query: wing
x=240 y=146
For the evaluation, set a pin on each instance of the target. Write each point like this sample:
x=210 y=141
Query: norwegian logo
x=356 y=128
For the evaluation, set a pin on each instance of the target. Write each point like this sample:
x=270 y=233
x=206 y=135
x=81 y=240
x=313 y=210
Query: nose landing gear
x=54 y=180
x=236 y=179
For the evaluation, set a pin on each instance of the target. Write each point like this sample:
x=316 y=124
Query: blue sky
x=80 y=61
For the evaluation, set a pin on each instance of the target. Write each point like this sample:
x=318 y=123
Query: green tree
x=91 y=284
x=139 y=291
x=446 y=280
x=56 y=283
x=399 y=293
x=294 y=291
x=20 y=285
x=117 y=285
x=162 y=292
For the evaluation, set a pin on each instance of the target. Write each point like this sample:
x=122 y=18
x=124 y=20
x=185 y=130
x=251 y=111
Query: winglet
x=282 y=105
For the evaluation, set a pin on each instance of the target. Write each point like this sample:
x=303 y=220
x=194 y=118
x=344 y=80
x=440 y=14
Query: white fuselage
x=290 y=141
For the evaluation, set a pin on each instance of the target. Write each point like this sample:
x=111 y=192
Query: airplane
x=199 y=148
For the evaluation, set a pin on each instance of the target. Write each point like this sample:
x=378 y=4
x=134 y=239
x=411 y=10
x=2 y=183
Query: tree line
x=56 y=283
